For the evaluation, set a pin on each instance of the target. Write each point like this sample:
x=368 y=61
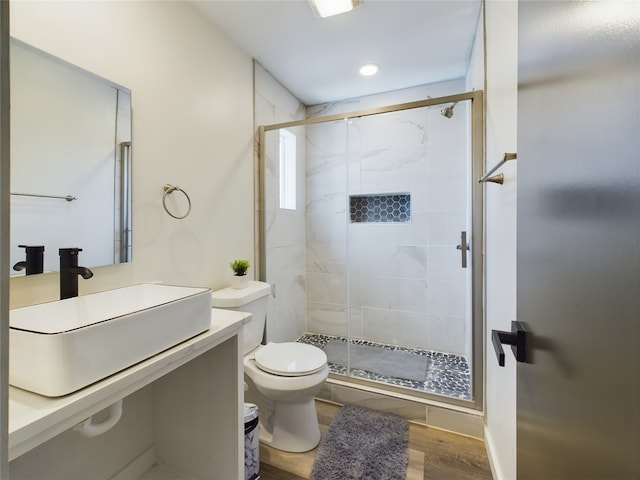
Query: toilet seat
x=290 y=359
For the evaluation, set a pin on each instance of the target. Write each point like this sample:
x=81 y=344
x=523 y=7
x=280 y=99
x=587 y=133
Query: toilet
x=282 y=378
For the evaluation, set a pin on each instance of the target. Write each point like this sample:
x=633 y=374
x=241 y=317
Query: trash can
x=251 y=442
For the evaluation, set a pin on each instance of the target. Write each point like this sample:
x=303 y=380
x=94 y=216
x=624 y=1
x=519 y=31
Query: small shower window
x=287 y=167
x=380 y=208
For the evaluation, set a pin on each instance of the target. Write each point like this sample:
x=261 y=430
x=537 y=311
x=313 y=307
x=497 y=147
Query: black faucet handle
x=32 y=248
x=68 y=257
x=69 y=251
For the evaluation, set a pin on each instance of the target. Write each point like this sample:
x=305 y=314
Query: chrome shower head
x=448 y=111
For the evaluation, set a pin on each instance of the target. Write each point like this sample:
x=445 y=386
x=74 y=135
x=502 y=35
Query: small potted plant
x=239 y=279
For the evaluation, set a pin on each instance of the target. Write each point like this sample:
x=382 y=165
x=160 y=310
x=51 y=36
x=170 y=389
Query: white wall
x=192 y=127
x=500 y=228
x=192 y=97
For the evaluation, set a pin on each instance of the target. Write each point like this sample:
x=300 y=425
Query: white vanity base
x=191 y=409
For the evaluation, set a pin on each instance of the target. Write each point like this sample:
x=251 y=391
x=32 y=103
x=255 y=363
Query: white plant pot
x=239 y=282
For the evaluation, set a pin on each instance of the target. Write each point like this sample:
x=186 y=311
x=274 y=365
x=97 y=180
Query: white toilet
x=283 y=377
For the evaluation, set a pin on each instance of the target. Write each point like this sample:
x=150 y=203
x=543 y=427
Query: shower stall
x=371 y=237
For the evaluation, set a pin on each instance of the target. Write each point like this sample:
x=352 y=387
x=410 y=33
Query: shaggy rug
x=390 y=363
x=363 y=444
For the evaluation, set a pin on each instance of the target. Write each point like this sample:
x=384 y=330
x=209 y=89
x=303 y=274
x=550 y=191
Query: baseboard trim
x=494 y=464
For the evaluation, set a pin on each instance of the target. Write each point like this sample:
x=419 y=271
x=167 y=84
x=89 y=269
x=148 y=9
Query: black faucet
x=34 y=262
x=69 y=271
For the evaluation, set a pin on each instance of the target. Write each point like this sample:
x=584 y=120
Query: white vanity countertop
x=34 y=419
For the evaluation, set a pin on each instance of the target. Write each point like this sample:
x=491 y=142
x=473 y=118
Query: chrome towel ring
x=170 y=189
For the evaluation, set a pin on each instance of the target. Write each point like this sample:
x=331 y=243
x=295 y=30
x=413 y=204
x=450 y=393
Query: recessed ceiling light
x=369 y=69
x=327 y=8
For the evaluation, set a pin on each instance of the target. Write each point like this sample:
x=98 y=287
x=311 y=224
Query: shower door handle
x=464 y=248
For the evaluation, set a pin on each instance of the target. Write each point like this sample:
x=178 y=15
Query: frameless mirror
x=70 y=163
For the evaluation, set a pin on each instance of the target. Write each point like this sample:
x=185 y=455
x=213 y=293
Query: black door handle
x=517 y=338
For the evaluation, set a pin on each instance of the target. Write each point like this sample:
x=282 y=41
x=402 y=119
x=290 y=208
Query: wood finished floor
x=433 y=455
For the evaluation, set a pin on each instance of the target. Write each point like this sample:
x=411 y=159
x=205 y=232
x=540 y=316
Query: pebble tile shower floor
x=447 y=374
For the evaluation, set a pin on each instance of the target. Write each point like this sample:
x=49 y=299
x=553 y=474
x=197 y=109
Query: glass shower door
x=327 y=278
x=409 y=292
x=367 y=232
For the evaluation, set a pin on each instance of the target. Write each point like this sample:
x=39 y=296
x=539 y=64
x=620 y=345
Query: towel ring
x=170 y=189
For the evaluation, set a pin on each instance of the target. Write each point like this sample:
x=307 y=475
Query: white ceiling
x=415 y=42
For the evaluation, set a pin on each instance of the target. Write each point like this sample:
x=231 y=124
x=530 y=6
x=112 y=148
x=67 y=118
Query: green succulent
x=240 y=267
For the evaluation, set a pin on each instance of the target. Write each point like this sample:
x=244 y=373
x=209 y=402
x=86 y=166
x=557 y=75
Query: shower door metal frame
x=476 y=240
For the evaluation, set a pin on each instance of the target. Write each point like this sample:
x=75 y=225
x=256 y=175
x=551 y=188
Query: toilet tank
x=252 y=299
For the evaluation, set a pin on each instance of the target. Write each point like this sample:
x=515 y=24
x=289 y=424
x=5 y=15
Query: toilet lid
x=290 y=359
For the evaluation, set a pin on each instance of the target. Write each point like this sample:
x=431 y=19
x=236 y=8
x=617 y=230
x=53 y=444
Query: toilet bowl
x=288 y=376
x=282 y=378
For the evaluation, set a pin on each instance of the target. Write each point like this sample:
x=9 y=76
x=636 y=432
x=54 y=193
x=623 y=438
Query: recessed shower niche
x=380 y=208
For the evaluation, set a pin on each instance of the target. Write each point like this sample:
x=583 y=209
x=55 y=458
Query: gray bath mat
x=363 y=444
x=390 y=363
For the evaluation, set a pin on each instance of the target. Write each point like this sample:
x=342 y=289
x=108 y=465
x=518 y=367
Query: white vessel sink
x=59 y=347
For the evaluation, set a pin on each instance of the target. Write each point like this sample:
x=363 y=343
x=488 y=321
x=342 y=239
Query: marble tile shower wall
x=285 y=237
x=285 y=250
x=403 y=283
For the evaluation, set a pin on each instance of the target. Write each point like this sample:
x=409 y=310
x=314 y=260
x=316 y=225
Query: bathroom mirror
x=70 y=162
